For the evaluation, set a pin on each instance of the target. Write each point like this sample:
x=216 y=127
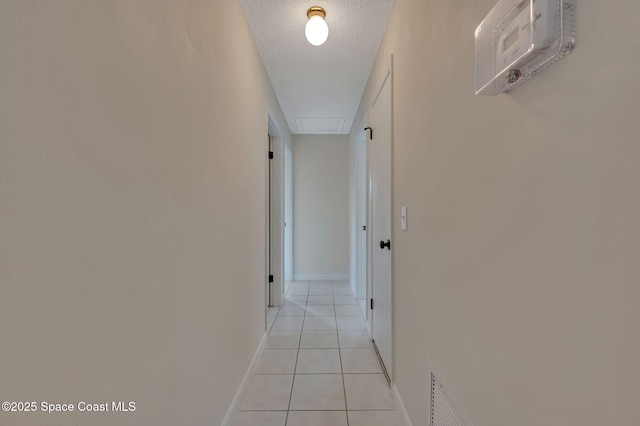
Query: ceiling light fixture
x=316 y=30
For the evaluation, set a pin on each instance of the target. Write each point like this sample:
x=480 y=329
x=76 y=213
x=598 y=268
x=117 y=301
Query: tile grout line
x=295 y=367
x=344 y=388
x=305 y=316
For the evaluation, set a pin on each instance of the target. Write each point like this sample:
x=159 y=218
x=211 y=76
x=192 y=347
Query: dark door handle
x=387 y=244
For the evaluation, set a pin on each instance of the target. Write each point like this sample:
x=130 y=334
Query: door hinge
x=270 y=155
x=270 y=278
x=371 y=303
x=364 y=227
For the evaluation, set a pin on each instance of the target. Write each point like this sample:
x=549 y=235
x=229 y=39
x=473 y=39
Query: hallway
x=136 y=250
x=319 y=366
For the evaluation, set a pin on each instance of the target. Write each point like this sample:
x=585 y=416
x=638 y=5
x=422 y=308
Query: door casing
x=380 y=222
x=275 y=221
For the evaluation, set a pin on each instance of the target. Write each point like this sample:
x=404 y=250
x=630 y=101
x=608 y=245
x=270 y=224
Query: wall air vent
x=445 y=411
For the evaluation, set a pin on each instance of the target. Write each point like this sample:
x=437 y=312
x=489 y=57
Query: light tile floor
x=319 y=367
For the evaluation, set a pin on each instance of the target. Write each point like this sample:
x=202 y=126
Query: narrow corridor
x=319 y=367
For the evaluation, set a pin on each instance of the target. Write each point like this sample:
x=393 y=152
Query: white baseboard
x=406 y=421
x=321 y=277
x=237 y=399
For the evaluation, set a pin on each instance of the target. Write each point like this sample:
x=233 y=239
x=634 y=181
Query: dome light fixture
x=316 y=30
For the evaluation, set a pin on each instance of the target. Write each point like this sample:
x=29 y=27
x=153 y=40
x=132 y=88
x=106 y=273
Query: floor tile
x=318 y=361
x=348 y=311
x=320 y=300
x=317 y=392
x=283 y=339
x=298 y=300
x=277 y=361
x=320 y=310
x=347 y=323
x=273 y=310
x=289 y=323
x=343 y=291
x=269 y=392
x=292 y=310
x=320 y=291
x=318 y=317
x=368 y=392
x=270 y=322
x=317 y=418
x=354 y=339
x=344 y=300
x=320 y=283
x=298 y=291
x=374 y=418
x=262 y=418
x=360 y=361
x=319 y=323
x=319 y=339
x=272 y=315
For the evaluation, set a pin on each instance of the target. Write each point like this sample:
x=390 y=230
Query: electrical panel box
x=519 y=38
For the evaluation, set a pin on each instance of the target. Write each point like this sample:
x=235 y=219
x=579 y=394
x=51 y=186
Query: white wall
x=518 y=277
x=320 y=206
x=132 y=180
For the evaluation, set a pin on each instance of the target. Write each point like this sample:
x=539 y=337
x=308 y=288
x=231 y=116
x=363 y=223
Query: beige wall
x=518 y=277
x=132 y=220
x=320 y=205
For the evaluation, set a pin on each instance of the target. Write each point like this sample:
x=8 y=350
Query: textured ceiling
x=322 y=83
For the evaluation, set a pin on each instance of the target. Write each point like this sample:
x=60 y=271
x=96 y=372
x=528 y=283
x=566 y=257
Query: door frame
x=275 y=215
x=361 y=215
x=288 y=214
x=387 y=76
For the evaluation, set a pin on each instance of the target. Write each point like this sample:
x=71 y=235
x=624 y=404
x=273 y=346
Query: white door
x=380 y=178
x=361 y=218
x=276 y=217
x=288 y=215
x=272 y=229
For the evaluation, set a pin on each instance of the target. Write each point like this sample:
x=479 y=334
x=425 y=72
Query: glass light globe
x=316 y=30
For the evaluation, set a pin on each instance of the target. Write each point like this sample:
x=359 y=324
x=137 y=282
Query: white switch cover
x=403 y=218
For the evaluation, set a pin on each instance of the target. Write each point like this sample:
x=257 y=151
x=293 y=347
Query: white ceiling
x=319 y=88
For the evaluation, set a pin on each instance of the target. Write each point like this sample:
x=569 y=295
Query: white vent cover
x=445 y=411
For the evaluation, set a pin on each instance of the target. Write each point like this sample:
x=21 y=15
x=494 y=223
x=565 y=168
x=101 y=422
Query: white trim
x=371 y=244
x=237 y=399
x=360 y=253
x=321 y=277
x=277 y=211
x=404 y=416
x=288 y=214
